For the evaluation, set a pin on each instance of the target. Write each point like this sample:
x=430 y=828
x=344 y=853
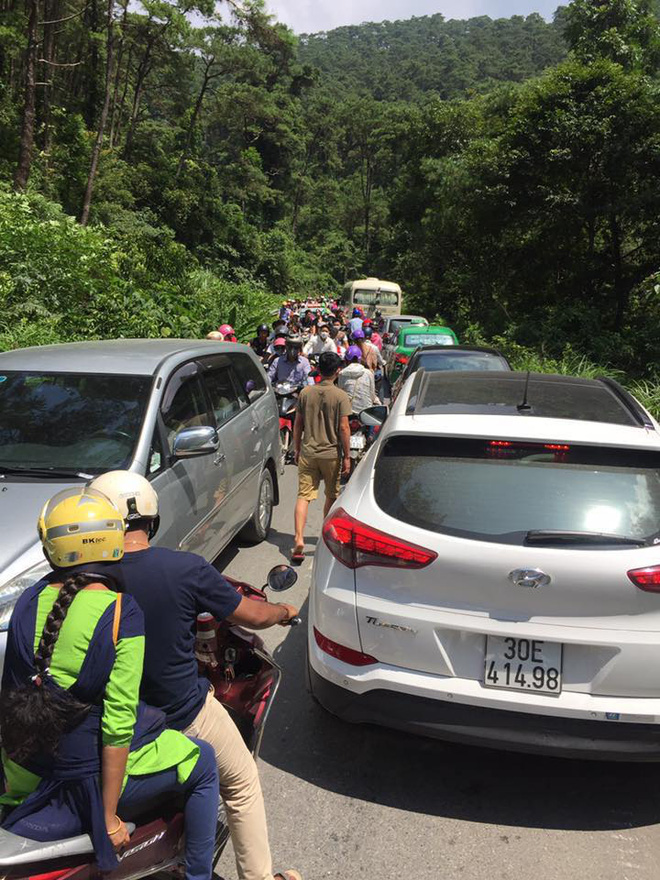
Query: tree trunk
x=96 y=152
x=51 y=14
x=26 y=144
x=193 y=119
x=142 y=73
x=621 y=289
x=115 y=94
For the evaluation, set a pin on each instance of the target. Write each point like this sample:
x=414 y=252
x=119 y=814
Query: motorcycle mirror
x=281 y=578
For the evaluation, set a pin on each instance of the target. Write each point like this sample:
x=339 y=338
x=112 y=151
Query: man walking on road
x=321 y=438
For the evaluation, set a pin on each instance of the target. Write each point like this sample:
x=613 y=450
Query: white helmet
x=132 y=494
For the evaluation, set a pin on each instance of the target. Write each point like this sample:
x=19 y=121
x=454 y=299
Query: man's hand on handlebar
x=261 y=615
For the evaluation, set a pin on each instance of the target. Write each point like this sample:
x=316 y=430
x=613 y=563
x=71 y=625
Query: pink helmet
x=226 y=329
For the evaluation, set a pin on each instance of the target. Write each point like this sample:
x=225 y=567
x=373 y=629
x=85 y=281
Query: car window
x=184 y=404
x=412 y=340
x=156 y=457
x=224 y=397
x=251 y=377
x=496 y=490
x=87 y=422
x=477 y=360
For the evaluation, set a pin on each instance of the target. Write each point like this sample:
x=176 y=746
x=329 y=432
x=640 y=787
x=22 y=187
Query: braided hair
x=34 y=717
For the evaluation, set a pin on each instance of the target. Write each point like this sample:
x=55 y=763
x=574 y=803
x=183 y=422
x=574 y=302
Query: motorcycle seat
x=17 y=850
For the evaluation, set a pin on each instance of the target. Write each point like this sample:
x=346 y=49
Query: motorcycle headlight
x=10 y=591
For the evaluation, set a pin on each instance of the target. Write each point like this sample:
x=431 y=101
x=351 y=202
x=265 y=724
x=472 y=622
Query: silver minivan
x=197 y=418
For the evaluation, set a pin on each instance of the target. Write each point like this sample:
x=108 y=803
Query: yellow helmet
x=81 y=525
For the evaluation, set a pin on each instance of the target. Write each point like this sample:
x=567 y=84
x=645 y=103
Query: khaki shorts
x=310 y=473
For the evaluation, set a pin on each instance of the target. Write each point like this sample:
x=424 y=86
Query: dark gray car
x=197 y=418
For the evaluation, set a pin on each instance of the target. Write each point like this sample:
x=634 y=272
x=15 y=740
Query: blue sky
x=308 y=16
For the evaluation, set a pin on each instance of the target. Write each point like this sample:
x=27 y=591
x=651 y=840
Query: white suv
x=491 y=573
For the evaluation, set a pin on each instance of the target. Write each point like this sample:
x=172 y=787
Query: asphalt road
x=362 y=802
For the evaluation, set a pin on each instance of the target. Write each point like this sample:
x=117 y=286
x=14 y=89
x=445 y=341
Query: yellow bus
x=373 y=295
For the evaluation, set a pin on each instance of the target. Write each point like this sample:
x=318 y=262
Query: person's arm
x=345 y=438
x=298 y=426
x=261 y=615
x=120 y=701
x=272 y=369
x=372 y=387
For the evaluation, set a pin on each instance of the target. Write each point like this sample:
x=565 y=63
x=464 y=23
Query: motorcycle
x=287 y=401
x=359 y=440
x=245 y=679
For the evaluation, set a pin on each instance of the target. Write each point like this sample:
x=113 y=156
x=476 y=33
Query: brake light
x=51 y=875
x=647 y=579
x=498 y=443
x=401 y=359
x=355 y=544
x=557 y=447
x=341 y=652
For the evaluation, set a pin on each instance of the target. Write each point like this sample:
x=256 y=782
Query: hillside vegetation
x=404 y=60
x=157 y=177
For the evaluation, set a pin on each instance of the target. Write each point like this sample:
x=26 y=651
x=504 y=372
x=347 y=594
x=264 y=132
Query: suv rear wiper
x=555 y=536
x=48 y=472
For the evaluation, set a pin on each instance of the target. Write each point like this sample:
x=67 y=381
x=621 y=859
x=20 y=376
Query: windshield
x=363 y=297
x=412 y=340
x=499 y=490
x=449 y=360
x=63 y=420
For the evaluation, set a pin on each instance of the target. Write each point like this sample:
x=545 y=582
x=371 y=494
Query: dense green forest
x=165 y=166
x=404 y=60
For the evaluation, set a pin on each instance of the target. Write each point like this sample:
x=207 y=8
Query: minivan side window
x=251 y=377
x=184 y=403
x=222 y=392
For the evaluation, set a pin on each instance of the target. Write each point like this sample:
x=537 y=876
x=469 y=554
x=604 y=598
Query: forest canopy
x=166 y=165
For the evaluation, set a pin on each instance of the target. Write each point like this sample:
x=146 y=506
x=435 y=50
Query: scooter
x=287 y=401
x=245 y=679
x=359 y=440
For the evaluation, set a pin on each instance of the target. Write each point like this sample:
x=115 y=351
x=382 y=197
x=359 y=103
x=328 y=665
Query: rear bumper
x=494 y=728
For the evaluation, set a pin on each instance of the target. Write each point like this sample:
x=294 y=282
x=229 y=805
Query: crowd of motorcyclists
x=290 y=348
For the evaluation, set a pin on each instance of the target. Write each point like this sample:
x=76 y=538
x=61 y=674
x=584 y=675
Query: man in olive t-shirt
x=321 y=436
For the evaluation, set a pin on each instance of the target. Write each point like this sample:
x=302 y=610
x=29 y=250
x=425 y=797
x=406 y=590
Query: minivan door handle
x=254 y=428
x=219 y=458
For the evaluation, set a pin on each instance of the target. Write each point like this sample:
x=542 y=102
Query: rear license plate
x=523 y=665
x=357 y=441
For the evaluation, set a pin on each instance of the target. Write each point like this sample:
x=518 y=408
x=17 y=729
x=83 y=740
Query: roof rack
x=625 y=397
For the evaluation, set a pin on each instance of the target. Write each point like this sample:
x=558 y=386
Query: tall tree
x=26 y=141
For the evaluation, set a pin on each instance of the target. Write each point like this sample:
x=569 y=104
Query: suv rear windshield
x=459 y=360
x=69 y=421
x=499 y=490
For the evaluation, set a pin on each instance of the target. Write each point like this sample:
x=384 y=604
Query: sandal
x=288 y=875
x=297 y=558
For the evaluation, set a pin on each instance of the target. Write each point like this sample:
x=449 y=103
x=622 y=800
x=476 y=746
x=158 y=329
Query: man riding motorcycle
x=172 y=588
x=260 y=342
x=293 y=367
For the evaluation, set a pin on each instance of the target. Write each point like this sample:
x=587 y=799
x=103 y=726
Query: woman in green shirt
x=78 y=746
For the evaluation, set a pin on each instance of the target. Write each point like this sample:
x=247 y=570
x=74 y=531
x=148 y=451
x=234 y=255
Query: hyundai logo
x=529 y=577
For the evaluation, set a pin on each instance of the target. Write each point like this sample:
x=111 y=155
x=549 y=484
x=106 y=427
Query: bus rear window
x=375 y=297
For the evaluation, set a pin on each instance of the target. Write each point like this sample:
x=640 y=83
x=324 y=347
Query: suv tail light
x=647 y=579
x=355 y=544
x=341 y=652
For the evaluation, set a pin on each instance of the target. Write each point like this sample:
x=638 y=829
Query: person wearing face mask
x=320 y=343
x=292 y=367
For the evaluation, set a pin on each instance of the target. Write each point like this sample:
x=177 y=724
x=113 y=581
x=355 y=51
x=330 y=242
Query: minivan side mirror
x=373 y=416
x=195 y=441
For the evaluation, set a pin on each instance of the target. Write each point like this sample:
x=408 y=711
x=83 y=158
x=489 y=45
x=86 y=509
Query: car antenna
x=524 y=406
